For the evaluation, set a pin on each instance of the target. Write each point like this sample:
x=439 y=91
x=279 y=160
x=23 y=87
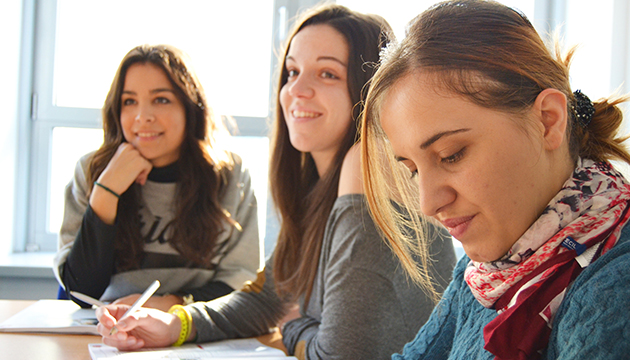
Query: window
x=77 y=48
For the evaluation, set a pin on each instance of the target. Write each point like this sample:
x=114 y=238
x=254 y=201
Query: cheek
x=126 y=123
x=284 y=98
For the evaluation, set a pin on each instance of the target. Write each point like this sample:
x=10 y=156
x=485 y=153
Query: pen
x=86 y=299
x=138 y=304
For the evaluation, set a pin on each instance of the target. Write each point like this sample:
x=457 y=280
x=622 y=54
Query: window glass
x=589 y=25
x=232 y=60
x=68 y=145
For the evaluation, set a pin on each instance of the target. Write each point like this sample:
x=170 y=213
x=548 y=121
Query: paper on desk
x=220 y=350
x=52 y=316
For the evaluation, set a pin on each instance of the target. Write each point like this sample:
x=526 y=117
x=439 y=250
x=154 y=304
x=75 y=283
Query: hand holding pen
x=138 y=304
x=145 y=327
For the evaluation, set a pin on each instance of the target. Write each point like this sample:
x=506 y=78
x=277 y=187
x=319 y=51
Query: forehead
x=317 y=41
x=147 y=75
x=415 y=105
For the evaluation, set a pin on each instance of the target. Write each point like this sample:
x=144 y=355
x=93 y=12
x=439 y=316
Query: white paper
x=220 y=350
x=52 y=316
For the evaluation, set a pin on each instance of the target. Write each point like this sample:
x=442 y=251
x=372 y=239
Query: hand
x=163 y=303
x=126 y=167
x=143 y=328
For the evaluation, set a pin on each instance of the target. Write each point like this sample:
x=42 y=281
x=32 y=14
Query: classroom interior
x=59 y=57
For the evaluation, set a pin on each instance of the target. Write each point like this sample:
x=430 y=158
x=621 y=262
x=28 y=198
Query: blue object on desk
x=61 y=293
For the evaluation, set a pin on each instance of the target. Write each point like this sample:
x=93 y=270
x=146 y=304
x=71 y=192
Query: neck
x=323 y=161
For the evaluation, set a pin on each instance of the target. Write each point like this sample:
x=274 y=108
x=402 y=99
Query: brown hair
x=199 y=218
x=304 y=200
x=493 y=56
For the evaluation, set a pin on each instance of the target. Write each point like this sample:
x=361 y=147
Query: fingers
x=123 y=342
x=143 y=176
x=123 y=338
x=108 y=316
x=126 y=166
x=142 y=328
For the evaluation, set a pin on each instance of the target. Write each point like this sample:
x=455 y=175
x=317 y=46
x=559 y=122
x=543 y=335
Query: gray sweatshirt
x=85 y=261
x=362 y=306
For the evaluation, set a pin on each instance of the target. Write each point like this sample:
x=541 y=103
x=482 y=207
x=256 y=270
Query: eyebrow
x=440 y=135
x=435 y=138
x=323 y=58
x=154 y=91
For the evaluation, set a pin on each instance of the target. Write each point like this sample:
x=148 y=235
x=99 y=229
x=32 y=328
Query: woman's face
x=315 y=100
x=152 y=116
x=484 y=177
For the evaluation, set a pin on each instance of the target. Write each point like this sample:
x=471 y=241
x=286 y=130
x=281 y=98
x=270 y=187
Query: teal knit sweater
x=593 y=321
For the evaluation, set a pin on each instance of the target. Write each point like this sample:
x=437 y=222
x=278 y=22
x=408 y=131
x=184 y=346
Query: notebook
x=52 y=316
x=220 y=350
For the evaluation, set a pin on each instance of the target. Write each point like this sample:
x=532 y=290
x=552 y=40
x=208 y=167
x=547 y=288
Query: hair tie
x=583 y=108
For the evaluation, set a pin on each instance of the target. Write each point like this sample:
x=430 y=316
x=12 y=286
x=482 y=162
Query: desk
x=29 y=346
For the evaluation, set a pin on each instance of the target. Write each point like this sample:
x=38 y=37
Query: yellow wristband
x=186 y=320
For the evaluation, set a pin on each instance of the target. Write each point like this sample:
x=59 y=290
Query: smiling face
x=484 y=177
x=315 y=100
x=152 y=116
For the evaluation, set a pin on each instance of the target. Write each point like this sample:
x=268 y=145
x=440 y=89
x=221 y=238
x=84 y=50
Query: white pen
x=138 y=304
x=86 y=299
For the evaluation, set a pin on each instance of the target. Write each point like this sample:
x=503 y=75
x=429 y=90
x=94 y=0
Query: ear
x=551 y=109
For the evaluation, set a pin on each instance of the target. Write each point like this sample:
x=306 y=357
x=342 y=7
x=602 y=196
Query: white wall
x=10 y=28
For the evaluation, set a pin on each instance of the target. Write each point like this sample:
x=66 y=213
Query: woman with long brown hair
x=515 y=164
x=354 y=300
x=160 y=199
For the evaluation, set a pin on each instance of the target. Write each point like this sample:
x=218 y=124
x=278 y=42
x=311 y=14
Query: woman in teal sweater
x=514 y=164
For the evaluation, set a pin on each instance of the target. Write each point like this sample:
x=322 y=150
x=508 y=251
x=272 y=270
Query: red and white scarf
x=527 y=285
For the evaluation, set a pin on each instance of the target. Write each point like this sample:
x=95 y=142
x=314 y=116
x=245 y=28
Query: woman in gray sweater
x=160 y=199
x=354 y=300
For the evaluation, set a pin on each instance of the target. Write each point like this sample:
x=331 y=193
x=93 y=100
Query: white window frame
x=37 y=115
x=43 y=116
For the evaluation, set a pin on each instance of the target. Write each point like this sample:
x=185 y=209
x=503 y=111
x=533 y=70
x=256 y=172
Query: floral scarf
x=527 y=285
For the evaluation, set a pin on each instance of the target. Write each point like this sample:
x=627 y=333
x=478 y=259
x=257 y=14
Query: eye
x=456 y=157
x=128 y=101
x=329 y=75
x=292 y=73
x=162 y=100
x=411 y=167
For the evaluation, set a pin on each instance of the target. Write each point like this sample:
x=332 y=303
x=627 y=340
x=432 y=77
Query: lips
x=457 y=226
x=147 y=135
x=301 y=114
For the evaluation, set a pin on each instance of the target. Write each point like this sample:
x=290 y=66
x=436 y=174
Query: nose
x=145 y=113
x=434 y=191
x=301 y=86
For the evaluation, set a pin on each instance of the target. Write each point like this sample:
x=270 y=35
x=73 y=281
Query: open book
x=52 y=316
x=220 y=350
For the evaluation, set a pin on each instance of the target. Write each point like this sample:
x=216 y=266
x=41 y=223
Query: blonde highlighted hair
x=458 y=43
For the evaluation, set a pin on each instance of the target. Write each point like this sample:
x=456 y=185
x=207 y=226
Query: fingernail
x=121 y=324
x=131 y=341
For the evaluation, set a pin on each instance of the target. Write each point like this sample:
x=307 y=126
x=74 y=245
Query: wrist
x=186 y=322
x=104 y=205
x=107 y=189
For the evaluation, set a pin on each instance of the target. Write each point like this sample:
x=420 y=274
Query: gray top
x=85 y=259
x=362 y=306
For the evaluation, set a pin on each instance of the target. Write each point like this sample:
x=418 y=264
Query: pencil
x=138 y=304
